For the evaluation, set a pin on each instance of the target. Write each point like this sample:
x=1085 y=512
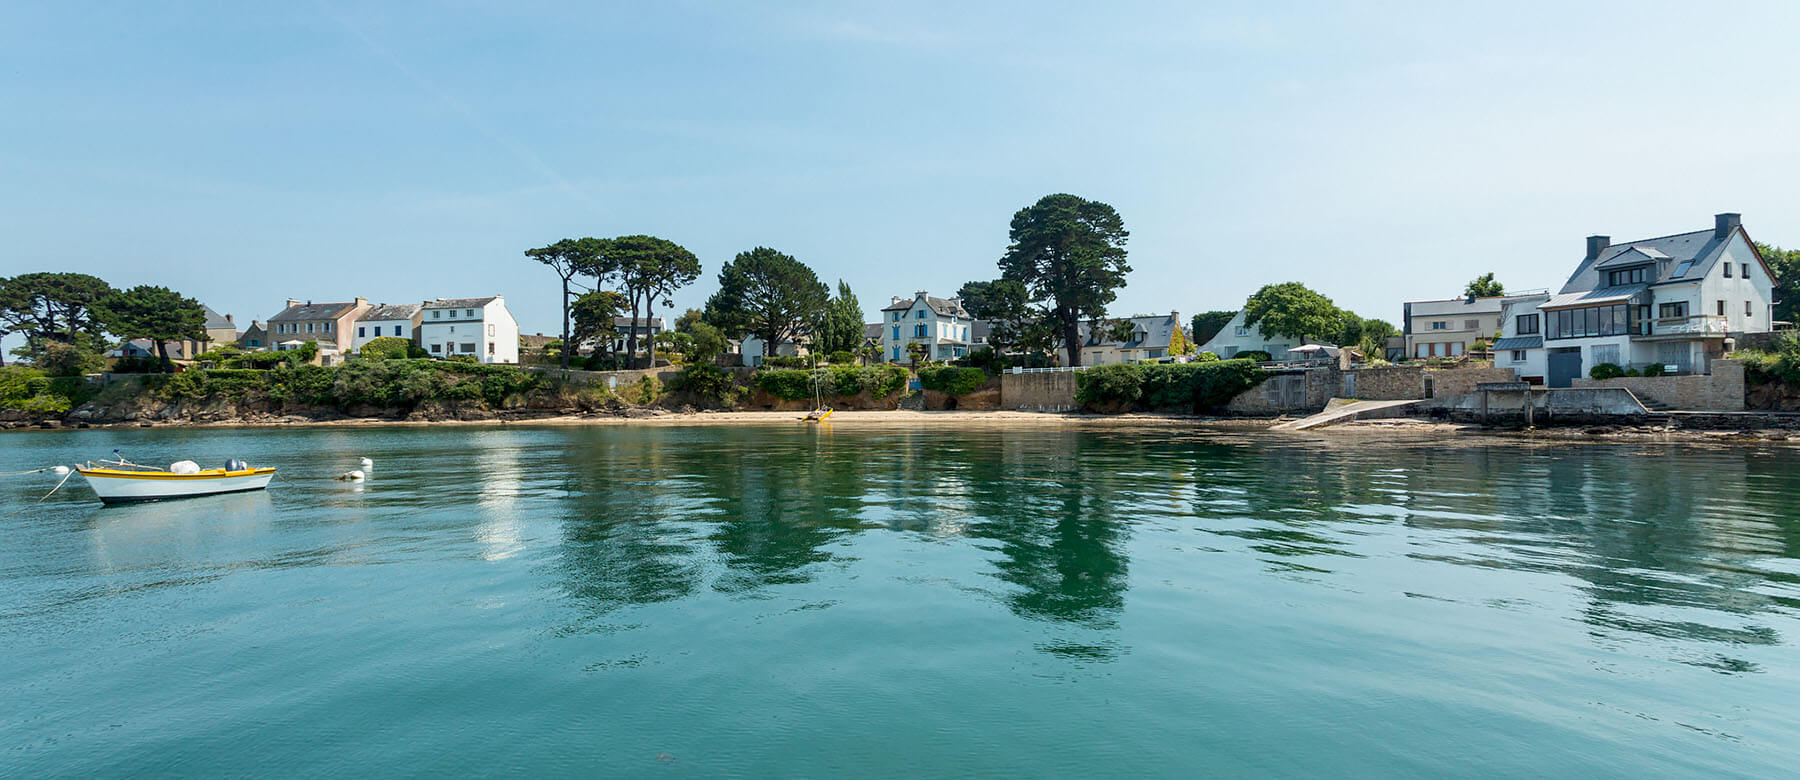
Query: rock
x=145 y=424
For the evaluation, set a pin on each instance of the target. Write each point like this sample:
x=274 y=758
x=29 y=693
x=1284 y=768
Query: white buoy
x=59 y=470
x=368 y=465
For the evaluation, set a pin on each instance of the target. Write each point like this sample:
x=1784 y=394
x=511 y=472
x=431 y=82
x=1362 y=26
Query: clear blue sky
x=247 y=152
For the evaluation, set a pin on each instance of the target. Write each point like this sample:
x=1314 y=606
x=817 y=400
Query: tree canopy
x=1069 y=253
x=840 y=327
x=592 y=314
x=768 y=294
x=1484 y=286
x=568 y=258
x=648 y=269
x=155 y=313
x=1014 y=324
x=1784 y=264
x=53 y=306
x=1291 y=310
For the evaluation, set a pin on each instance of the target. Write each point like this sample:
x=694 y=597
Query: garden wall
x=1049 y=391
x=1721 y=391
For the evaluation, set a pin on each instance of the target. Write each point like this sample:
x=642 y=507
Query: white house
x=481 y=327
x=751 y=346
x=941 y=324
x=1237 y=337
x=1674 y=301
x=1150 y=339
x=400 y=320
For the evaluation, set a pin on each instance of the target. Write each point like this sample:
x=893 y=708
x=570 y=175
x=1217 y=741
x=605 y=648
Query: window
x=1518 y=356
x=490 y=329
x=1526 y=324
x=896 y=349
x=896 y=316
x=1606 y=353
x=1728 y=270
x=256 y=342
x=309 y=327
x=362 y=331
x=1675 y=310
x=468 y=312
x=896 y=328
x=327 y=327
x=921 y=314
x=1242 y=331
x=468 y=349
x=1748 y=312
x=490 y=348
x=436 y=314
x=1681 y=269
x=1614 y=320
x=919 y=331
x=1722 y=305
x=1628 y=276
x=1471 y=324
x=437 y=348
x=1746 y=269
x=1439 y=325
x=400 y=330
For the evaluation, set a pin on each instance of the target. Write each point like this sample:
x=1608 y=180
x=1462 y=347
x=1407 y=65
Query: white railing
x=1051 y=370
x=1700 y=324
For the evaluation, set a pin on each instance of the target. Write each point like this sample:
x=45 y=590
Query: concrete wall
x=1050 y=391
x=1722 y=391
x=1448 y=382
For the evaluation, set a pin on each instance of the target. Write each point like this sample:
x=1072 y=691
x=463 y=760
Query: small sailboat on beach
x=120 y=480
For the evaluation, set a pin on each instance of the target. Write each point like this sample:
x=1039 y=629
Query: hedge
x=381 y=383
x=952 y=380
x=1186 y=387
x=29 y=390
x=840 y=381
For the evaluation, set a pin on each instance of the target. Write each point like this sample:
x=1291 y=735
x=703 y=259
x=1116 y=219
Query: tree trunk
x=566 y=346
x=631 y=335
x=162 y=353
x=650 y=314
x=1071 y=338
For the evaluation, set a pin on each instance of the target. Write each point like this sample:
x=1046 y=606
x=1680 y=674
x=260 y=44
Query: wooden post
x=1529 y=409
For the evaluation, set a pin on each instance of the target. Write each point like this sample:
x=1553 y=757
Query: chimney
x=895 y=301
x=1723 y=224
x=230 y=320
x=361 y=301
x=291 y=303
x=1596 y=245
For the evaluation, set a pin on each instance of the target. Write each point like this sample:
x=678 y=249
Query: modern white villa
x=1675 y=302
x=399 y=320
x=941 y=324
x=478 y=327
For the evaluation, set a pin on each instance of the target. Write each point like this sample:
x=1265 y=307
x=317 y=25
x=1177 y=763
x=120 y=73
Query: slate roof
x=1153 y=332
x=460 y=303
x=1519 y=342
x=627 y=322
x=216 y=321
x=397 y=311
x=872 y=330
x=312 y=311
x=1623 y=292
x=944 y=307
x=1669 y=252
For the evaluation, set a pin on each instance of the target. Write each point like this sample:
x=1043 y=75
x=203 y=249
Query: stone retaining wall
x=1049 y=391
x=1722 y=391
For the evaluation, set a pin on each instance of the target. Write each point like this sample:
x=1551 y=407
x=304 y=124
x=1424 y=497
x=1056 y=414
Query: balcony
x=1691 y=325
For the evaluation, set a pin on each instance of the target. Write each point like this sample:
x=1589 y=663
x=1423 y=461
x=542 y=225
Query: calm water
x=795 y=601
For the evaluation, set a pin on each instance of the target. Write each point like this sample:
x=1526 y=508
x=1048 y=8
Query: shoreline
x=1395 y=428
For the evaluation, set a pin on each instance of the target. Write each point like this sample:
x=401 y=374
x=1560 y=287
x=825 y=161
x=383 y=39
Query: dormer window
x=1627 y=276
x=921 y=314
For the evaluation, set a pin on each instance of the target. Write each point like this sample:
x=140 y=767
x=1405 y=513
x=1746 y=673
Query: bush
x=782 y=361
x=841 y=357
x=29 y=390
x=1654 y=369
x=603 y=363
x=706 y=381
x=386 y=348
x=1606 y=371
x=462 y=359
x=785 y=383
x=1205 y=357
x=1186 y=387
x=59 y=359
x=137 y=365
x=1256 y=355
x=1632 y=372
x=951 y=380
x=838 y=381
x=644 y=391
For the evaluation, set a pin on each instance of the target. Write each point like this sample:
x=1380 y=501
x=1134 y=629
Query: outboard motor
x=236 y=465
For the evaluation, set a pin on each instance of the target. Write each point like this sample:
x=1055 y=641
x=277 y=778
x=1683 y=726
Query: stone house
x=330 y=325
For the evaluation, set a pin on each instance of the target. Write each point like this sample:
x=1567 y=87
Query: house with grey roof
x=941 y=324
x=399 y=320
x=481 y=328
x=1675 y=302
x=1144 y=338
x=330 y=325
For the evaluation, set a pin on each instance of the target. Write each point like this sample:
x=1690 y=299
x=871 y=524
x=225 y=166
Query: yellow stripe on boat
x=207 y=474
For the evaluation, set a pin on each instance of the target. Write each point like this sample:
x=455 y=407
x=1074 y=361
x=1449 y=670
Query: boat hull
x=115 y=487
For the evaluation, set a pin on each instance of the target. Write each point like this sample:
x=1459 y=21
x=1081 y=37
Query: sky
x=245 y=153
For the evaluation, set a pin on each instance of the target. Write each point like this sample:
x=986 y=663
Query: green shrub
x=1632 y=372
x=1205 y=357
x=1654 y=369
x=18 y=383
x=462 y=359
x=1606 y=371
x=841 y=357
x=786 y=384
x=60 y=359
x=1187 y=387
x=29 y=390
x=782 y=361
x=706 y=381
x=386 y=348
x=606 y=362
x=951 y=380
x=1256 y=355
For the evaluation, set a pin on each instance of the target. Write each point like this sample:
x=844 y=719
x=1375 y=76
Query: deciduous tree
x=1484 y=286
x=1208 y=324
x=1784 y=264
x=1291 y=310
x=768 y=294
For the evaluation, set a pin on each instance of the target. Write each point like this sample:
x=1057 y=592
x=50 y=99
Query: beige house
x=1449 y=328
x=331 y=325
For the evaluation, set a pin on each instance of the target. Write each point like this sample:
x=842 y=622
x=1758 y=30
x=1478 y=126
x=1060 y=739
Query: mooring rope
x=46 y=496
x=33 y=471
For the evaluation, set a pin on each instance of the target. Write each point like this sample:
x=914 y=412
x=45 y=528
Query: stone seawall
x=1047 y=391
x=1722 y=391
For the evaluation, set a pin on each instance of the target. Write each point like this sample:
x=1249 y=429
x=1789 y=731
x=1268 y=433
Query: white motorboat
x=121 y=480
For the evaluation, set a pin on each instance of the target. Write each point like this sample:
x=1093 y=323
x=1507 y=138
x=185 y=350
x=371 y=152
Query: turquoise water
x=774 y=601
